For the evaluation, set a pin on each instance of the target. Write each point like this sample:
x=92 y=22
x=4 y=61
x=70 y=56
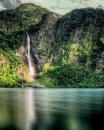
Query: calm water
x=51 y=109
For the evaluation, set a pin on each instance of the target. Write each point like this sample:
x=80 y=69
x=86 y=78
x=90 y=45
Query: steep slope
x=13 y=71
x=77 y=40
x=66 y=51
x=83 y=31
x=43 y=38
x=14 y=25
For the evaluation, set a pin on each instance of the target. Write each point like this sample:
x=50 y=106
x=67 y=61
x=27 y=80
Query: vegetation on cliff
x=68 y=50
x=14 y=25
x=79 y=42
x=13 y=71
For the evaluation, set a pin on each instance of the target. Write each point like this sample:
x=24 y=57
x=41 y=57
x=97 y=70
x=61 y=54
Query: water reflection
x=51 y=109
x=17 y=109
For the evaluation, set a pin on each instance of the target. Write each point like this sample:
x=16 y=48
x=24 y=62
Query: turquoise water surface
x=51 y=109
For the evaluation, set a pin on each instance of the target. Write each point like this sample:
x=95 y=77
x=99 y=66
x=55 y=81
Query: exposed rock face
x=100 y=7
x=22 y=53
x=60 y=40
x=9 y=4
x=44 y=39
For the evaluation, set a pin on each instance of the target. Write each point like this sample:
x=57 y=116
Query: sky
x=65 y=6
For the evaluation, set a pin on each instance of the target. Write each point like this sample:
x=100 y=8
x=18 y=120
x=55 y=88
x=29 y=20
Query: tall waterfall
x=31 y=68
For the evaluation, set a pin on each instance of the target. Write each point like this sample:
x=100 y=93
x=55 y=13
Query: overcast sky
x=65 y=6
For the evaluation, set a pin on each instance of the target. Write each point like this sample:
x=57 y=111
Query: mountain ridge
x=66 y=50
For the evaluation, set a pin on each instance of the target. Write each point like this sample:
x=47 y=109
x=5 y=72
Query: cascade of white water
x=31 y=69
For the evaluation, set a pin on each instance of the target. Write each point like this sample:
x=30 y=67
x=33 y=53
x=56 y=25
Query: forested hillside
x=14 y=25
x=67 y=51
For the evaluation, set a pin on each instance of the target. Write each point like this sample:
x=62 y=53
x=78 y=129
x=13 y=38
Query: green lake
x=51 y=109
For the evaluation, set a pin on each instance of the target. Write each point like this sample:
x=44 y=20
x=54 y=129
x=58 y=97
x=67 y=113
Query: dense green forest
x=68 y=50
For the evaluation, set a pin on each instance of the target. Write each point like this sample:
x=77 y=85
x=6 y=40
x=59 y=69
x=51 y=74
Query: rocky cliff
x=9 y=4
x=65 y=50
x=43 y=39
x=70 y=39
x=14 y=26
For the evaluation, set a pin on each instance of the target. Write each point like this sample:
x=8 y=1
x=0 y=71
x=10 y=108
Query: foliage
x=15 y=23
x=70 y=76
x=11 y=69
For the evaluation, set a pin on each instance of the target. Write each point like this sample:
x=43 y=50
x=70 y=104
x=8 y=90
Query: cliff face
x=14 y=26
x=83 y=31
x=9 y=4
x=43 y=39
x=74 y=43
x=76 y=38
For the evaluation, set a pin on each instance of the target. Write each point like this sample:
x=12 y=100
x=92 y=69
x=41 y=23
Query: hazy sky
x=65 y=6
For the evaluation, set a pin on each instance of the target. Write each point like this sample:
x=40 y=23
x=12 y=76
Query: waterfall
x=31 y=68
